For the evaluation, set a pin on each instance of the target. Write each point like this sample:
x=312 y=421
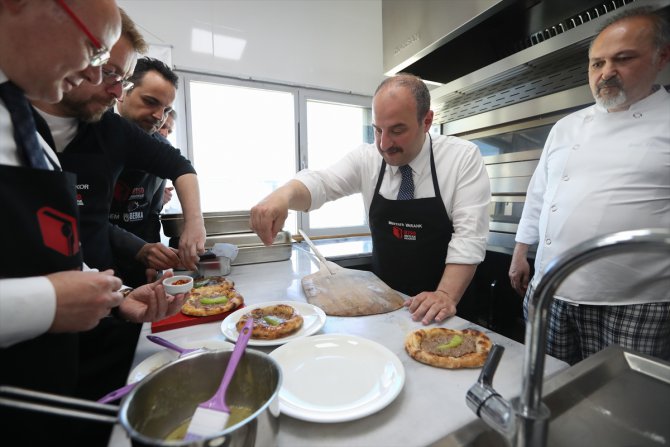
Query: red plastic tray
x=181 y=320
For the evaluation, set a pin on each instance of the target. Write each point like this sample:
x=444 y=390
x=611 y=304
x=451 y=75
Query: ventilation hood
x=492 y=55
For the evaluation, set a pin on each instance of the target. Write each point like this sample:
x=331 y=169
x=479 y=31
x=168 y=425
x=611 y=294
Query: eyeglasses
x=101 y=53
x=112 y=78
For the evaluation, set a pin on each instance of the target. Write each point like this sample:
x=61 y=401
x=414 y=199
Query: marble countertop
x=432 y=402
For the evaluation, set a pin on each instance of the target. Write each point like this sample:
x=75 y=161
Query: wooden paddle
x=343 y=292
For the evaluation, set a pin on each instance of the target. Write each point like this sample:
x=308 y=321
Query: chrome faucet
x=524 y=421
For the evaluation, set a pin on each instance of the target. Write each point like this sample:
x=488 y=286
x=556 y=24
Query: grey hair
x=659 y=21
x=415 y=85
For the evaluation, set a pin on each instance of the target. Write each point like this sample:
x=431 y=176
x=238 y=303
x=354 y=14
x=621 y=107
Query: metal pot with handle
x=165 y=400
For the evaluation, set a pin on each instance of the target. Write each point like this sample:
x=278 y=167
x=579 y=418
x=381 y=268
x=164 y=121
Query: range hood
x=490 y=55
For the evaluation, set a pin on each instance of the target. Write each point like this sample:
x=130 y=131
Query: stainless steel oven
x=511 y=153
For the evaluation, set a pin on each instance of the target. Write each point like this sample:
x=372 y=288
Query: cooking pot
x=167 y=397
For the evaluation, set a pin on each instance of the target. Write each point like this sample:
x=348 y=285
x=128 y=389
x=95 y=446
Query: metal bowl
x=166 y=398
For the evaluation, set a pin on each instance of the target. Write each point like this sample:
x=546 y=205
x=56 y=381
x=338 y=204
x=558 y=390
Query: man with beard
x=47 y=48
x=96 y=144
x=426 y=197
x=605 y=169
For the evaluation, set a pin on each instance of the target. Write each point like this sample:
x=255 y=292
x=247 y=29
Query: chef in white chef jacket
x=606 y=169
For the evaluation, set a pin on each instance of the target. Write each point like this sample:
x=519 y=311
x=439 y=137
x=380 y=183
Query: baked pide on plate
x=272 y=322
x=211 y=296
x=448 y=348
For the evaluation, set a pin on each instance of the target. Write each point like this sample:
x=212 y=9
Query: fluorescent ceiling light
x=218 y=45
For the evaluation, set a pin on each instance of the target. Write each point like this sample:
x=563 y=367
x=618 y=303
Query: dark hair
x=415 y=85
x=658 y=20
x=147 y=64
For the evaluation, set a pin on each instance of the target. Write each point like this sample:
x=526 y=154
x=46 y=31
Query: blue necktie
x=25 y=134
x=406 y=191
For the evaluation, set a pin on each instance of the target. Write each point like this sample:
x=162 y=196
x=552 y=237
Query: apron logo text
x=407 y=235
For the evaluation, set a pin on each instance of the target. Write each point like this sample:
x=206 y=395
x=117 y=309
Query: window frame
x=301 y=95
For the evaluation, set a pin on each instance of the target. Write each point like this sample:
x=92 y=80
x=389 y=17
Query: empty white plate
x=337 y=377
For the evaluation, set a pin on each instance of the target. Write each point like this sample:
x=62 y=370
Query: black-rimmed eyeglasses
x=100 y=52
x=112 y=78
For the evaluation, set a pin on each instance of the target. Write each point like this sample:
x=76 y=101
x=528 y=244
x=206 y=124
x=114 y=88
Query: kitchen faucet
x=524 y=421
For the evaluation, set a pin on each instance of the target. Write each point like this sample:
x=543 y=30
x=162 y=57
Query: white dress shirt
x=602 y=173
x=462 y=178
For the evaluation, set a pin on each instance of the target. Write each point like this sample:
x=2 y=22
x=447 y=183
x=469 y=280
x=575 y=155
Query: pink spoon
x=168 y=344
x=212 y=415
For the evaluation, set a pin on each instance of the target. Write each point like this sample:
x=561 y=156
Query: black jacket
x=98 y=154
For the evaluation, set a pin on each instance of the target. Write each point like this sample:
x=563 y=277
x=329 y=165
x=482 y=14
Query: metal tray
x=252 y=250
x=215 y=223
x=246 y=239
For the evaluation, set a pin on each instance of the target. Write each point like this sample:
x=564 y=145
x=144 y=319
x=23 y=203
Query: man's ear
x=428 y=121
x=663 y=57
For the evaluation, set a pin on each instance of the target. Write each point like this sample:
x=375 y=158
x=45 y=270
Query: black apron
x=410 y=238
x=94 y=191
x=106 y=351
x=41 y=236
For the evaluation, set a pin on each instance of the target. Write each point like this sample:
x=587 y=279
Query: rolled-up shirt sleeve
x=469 y=210
x=27 y=308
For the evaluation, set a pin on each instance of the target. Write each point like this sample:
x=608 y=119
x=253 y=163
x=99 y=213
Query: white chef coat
x=462 y=177
x=602 y=173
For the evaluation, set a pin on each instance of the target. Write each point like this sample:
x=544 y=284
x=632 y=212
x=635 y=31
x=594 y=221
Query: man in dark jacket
x=96 y=144
x=138 y=195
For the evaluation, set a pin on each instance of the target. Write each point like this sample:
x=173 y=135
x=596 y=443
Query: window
x=332 y=129
x=244 y=141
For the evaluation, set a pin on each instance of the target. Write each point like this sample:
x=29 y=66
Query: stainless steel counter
x=432 y=403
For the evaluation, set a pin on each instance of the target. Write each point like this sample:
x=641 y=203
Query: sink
x=615 y=397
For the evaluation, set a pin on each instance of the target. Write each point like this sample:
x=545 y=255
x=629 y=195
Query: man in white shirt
x=426 y=244
x=606 y=169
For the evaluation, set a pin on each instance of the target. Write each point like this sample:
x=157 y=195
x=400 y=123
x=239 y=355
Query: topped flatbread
x=272 y=322
x=211 y=296
x=448 y=348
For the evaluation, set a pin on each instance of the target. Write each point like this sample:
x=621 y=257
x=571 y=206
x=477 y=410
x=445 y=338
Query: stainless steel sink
x=613 y=398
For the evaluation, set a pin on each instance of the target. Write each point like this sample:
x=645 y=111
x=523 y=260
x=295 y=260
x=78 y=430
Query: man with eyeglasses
x=98 y=144
x=95 y=143
x=46 y=48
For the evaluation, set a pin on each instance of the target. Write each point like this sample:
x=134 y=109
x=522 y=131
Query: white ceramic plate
x=152 y=363
x=337 y=377
x=313 y=320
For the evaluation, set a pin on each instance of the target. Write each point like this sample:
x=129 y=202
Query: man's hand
x=150 y=303
x=268 y=217
x=519 y=270
x=83 y=298
x=157 y=256
x=167 y=194
x=429 y=306
x=192 y=243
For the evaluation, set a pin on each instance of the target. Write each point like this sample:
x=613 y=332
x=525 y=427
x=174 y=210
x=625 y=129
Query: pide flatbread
x=272 y=322
x=448 y=348
x=211 y=296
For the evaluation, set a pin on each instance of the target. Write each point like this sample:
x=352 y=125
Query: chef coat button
x=565 y=178
x=547 y=241
x=554 y=207
x=575 y=147
x=637 y=115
